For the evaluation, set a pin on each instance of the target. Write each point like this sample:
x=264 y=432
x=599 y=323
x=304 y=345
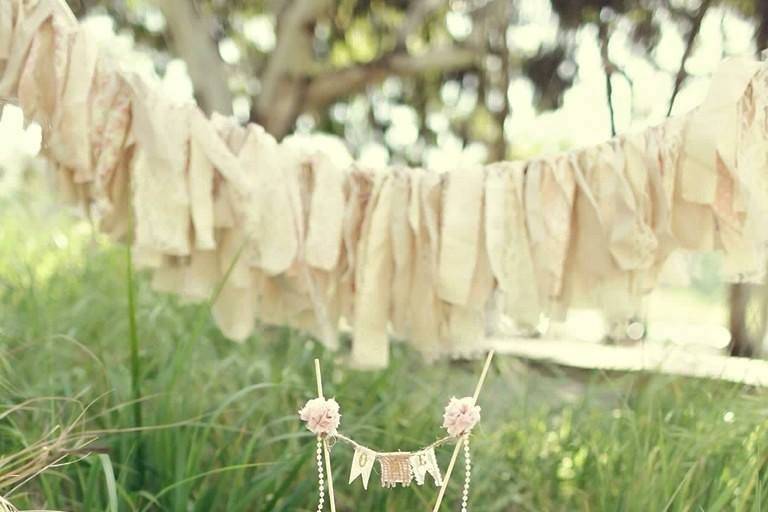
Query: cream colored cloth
x=296 y=233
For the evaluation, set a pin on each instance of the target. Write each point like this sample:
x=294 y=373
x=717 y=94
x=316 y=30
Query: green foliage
x=220 y=427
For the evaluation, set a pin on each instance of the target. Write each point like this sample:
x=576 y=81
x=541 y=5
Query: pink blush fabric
x=461 y=415
x=321 y=415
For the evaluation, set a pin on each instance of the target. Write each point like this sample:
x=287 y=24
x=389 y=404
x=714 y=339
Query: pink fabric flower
x=322 y=416
x=461 y=415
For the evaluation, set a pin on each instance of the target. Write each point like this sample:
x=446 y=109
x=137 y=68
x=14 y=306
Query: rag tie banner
x=322 y=417
x=297 y=233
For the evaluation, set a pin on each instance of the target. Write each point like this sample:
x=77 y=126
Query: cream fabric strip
x=459 y=235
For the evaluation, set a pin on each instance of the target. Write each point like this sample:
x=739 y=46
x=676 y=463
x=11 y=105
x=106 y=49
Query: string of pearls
x=467 y=475
x=320 y=475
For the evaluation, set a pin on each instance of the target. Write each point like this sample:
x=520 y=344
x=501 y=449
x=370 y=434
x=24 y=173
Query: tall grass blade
x=109 y=476
x=138 y=421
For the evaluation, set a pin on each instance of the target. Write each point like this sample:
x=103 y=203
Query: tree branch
x=681 y=74
x=609 y=69
x=332 y=85
x=501 y=22
x=417 y=12
x=291 y=82
x=191 y=39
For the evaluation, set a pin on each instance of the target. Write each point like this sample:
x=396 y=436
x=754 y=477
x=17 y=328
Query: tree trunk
x=287 y=73
x=741 y=344
x=192 y=41
x=761 y=36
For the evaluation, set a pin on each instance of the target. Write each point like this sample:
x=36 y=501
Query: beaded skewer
x=322 y=445
x=462 y=441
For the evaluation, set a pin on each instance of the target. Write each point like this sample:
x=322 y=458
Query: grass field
x=194 y=422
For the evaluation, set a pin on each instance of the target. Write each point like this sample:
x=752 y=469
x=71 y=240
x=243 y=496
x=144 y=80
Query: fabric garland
x=292 y=233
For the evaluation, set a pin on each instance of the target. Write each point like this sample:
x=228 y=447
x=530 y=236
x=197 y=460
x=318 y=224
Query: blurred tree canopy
x=406 y=73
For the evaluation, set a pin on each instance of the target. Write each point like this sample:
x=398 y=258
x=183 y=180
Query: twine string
x=342 y=438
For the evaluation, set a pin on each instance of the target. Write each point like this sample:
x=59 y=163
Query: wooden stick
x=329 y=475
x=319 y=378
x=459 y=444
x=482 y=377
x=326 y=453
x=447 y=477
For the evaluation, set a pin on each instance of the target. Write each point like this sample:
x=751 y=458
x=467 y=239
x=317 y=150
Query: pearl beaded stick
x=467 y=474
x=322 y=445
x=462 y=439
x=320 y=482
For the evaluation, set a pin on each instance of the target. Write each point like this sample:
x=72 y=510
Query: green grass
x=219 y=419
